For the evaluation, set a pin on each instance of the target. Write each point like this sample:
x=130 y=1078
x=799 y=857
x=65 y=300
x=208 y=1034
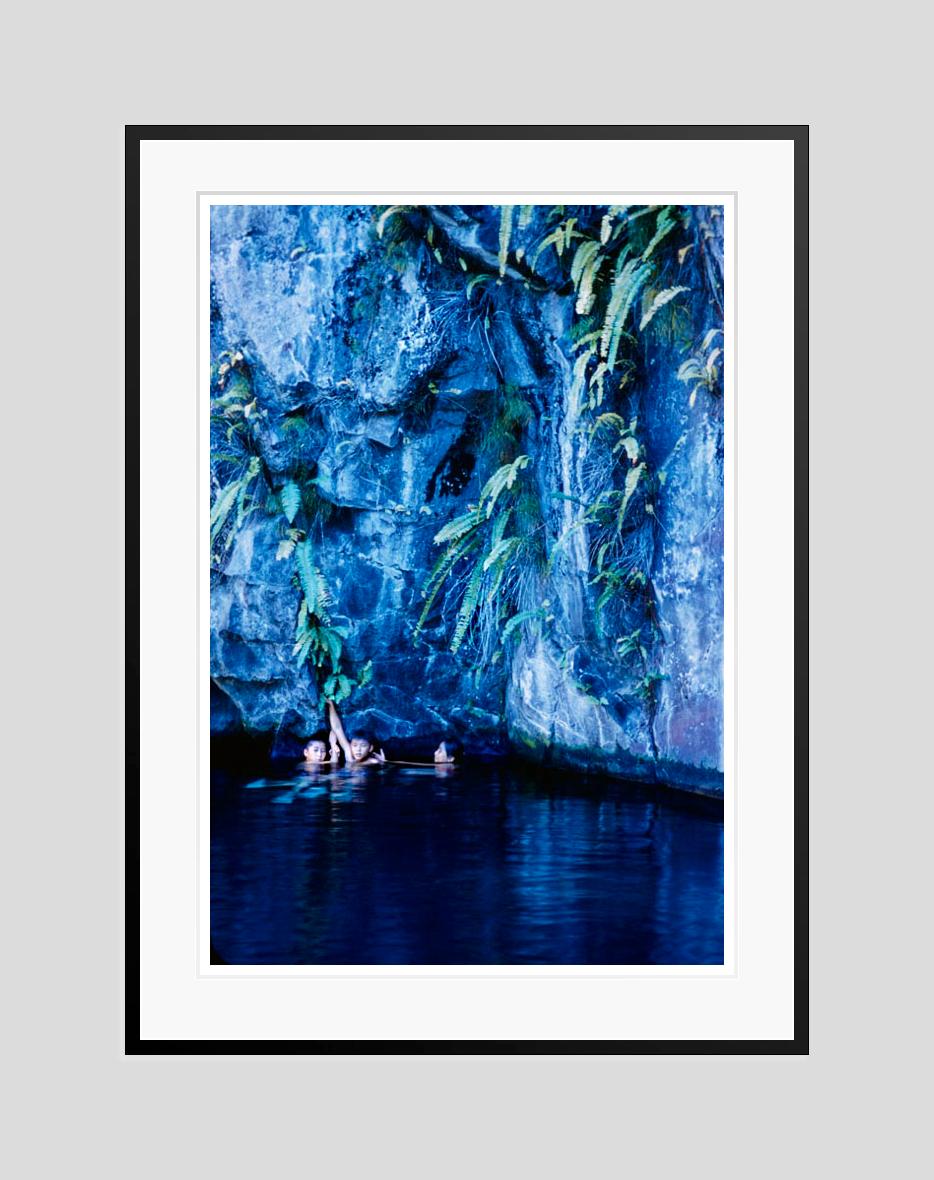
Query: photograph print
x=466 y=584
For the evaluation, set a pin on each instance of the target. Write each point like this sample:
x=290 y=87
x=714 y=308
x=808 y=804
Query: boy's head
x=316 y=750
x=448 y=751
x=361 y=746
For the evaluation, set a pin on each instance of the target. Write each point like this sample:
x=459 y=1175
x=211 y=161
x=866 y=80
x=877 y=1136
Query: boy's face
x=360 y=748
x=442 y=755
x=316 y=752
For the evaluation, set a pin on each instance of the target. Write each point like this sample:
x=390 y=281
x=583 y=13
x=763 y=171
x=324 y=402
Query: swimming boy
x=359 y=751
x=316 y=753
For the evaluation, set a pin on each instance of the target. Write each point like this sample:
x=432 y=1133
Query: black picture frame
x=135 y=135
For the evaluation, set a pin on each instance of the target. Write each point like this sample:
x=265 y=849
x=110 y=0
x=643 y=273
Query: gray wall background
x=74 y=77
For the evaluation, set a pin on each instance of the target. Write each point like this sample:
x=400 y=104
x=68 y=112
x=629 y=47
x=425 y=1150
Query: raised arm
x=334 y=720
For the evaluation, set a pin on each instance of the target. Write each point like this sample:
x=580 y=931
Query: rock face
x=385 y=376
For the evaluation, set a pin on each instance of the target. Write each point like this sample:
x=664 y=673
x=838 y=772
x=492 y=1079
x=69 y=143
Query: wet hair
x=320 y=736
x=364 y=737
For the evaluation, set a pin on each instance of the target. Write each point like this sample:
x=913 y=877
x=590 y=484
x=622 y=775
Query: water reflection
x=489 y=864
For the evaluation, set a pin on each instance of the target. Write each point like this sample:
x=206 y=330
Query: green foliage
x=385 y=216
x=702 y=367
x=319 y=640
x=658 y=302
x=231 y=503
x=290 y=496
x=501 y=480
x=505 y=232
x=483 y=565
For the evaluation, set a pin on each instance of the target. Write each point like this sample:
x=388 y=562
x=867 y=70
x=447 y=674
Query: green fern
x=290 y=497
x=467 y=607
x=459 y=527
x=313 y=586
x=629 y=279
x=632 y=481
x=442 y=567
x=584 y=268
x=505 y=231
x=663 y=226
x=523 y=616
x=501 y=479
x=658 y=302
x=392 y=211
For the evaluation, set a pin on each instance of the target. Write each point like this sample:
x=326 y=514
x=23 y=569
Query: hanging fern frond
x=459 y=527
x=663 y=226
x=505 y=232
x=626 y=286
x=472 y=282
x=467 y=607
x=439 y=573
x=500 y=551
x=555 y=238
x=658 y=302
x=579 y=377
x=222 y=505
x=290 y=497
x=385 y=216
x=505 y=477
x=312 y=583
x=632 y=480
x=524 y=616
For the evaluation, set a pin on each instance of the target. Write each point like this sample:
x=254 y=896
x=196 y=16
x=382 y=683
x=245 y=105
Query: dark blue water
x=488 y=864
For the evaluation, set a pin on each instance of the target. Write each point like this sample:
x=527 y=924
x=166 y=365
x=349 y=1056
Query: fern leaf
x=630 y=446
x=331 y=641
x=524 y=616
x=384 y=218
x=439 y=573
x=222 y=506
x=609 y=419
x=459 y=527
x=467 y=607
x=555 y=238
x=659 y=301
x=690 y=370
x=588 y=341
x=290 y=497
x=499 y=527
x=500 y=552
x=471 y=283
x=663 y=226
x=525 y=215
x=582 y=255
x=313 y=586
x=587 y=295
x=632 y=480
x=503 y=478
x=578 y=378
x=630 y=280
x=505 y=232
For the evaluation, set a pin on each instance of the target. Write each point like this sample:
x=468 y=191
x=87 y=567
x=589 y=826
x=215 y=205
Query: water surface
x=488 y=864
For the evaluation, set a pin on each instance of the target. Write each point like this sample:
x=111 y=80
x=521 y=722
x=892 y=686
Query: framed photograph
x=471 y=619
